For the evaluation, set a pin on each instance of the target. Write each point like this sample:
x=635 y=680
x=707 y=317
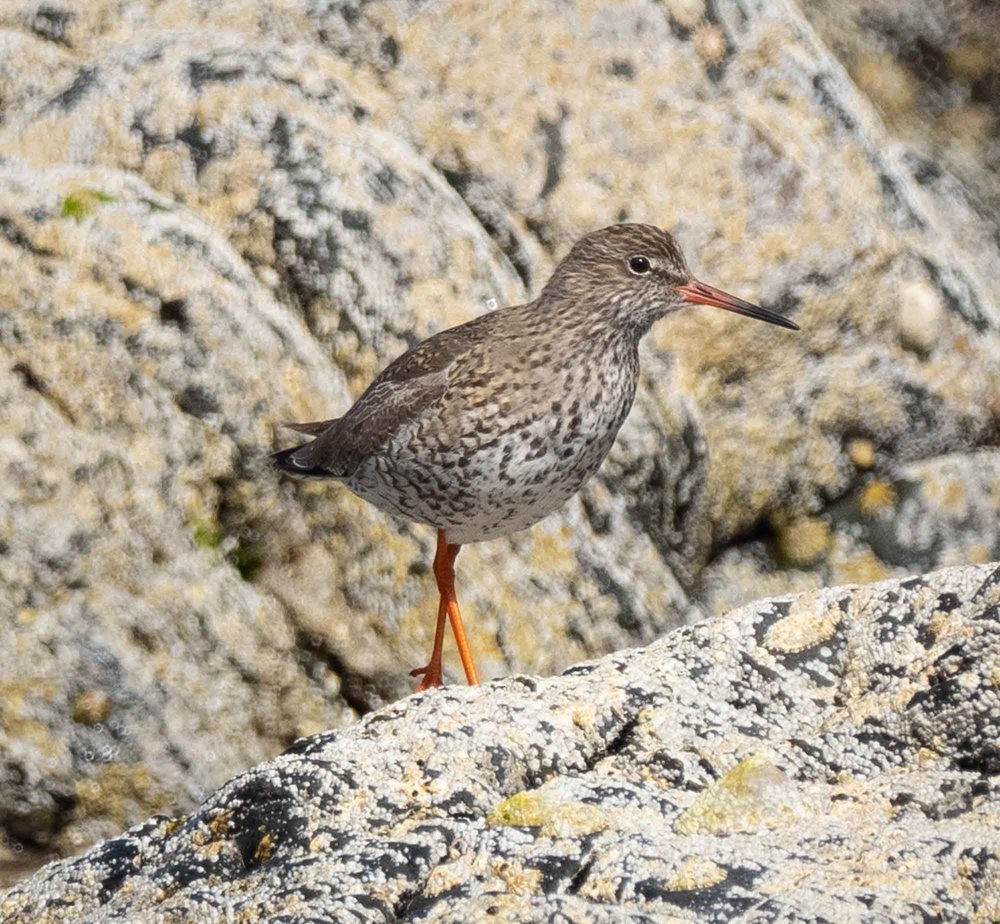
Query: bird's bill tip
x=700 y=293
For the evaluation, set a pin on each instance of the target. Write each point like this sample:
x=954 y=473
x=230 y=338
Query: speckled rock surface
x=933 y=71
x=933 y=513
x=827 y=757
x=120 y=602
x=215 y=217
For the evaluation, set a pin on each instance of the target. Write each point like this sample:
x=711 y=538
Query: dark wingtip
x=283 y=460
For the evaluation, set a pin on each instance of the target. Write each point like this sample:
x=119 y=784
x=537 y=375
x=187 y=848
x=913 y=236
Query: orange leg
x=446 y=584
x=432 y=672
x=444 y=571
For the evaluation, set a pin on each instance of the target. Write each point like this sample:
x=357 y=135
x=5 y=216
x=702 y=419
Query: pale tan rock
x=920 y=316
x=932 y=70
x=861 y=453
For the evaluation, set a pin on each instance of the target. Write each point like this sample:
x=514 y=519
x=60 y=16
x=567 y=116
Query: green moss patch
x=78 y=205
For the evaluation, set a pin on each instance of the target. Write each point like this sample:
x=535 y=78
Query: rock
x=933 y=513
x=718 y=773
x=861 y=453
x=129 y=629
x=934 y=72
x=920 y=316
x=216 y=217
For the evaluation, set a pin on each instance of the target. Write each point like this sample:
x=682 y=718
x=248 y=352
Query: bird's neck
x=596 y=325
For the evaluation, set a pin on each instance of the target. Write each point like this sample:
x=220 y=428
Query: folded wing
x=407 y=388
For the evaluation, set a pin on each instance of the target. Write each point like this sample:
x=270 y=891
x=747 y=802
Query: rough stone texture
x=932 y=513
x=120 y=600
x=214 y=217
x=827 y=757
x=933 y=71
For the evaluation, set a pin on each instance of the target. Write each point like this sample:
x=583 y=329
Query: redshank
x=485 y=428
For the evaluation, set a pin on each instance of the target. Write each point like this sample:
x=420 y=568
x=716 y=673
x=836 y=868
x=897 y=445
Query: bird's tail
x=295 y=460
x=312 y=428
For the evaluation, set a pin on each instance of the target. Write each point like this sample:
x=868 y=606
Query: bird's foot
x=431 y=676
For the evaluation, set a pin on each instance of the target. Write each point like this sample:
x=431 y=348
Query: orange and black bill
x=699 y=293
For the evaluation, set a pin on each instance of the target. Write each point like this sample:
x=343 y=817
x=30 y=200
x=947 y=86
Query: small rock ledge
x=831 y=756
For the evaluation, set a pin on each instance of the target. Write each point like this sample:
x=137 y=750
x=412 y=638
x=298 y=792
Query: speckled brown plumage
x=485 y=428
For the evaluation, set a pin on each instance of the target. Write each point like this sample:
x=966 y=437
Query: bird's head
x=634 y=274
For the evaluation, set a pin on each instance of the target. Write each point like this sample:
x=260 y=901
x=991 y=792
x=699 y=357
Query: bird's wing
x=407 y=388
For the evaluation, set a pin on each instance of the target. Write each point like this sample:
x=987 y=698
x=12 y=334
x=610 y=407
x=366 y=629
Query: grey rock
x=831 y=756
x=122 y=411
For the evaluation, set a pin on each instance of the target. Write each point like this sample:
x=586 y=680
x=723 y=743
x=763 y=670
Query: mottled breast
x=508 y=444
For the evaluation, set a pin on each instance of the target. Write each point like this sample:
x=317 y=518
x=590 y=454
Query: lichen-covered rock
x=933 y=71
x=940 y=511
x=215 y=217
x=126 y=625
x=831 y=756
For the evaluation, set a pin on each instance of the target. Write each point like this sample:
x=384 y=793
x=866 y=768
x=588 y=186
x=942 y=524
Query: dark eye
x=638 y=265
